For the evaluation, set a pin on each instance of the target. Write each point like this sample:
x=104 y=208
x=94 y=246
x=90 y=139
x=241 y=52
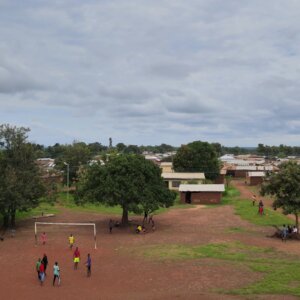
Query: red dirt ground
x=117 y=273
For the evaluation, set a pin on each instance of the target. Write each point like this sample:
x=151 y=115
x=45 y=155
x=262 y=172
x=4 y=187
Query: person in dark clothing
x=145 y=217
x=110 y=225
x=45 y=262
x=88 y=265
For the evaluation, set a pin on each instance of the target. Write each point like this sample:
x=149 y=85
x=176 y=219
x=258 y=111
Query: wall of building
x=240 y=173
x=174 y=184
x=167 y=169
x=220 y=179
x=255 y=180
x=202 y=197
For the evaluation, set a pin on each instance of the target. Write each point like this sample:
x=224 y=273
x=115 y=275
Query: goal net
x=36 y=224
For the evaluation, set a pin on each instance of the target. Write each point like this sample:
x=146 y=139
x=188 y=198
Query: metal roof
x=256 y=174
x=183 y=176
x=202 y=188
x=246 y=168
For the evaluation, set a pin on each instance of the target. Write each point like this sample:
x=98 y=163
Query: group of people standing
x=149 y=220
x=76 y=256
x=42 y=264
x=260 y=205
x=41 y=268
x=287 y=231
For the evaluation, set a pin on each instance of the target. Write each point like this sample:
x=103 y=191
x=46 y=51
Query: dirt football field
x=119 y=270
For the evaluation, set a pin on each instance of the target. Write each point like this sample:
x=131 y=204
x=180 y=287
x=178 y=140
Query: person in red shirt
x=42 y=273
x=76 y=258
x=43 y=238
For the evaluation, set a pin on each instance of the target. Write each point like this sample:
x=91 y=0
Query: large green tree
x=127 y=180
x=76 y=155
x=20 y=182
x=197 y=157
x=285 y=187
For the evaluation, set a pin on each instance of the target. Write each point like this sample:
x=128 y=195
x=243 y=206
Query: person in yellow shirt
x=71 y=241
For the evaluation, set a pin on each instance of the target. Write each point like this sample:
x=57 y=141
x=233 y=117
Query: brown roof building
x=201 y=193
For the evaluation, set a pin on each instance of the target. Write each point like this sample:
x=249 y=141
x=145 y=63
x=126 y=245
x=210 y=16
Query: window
x=176 y=183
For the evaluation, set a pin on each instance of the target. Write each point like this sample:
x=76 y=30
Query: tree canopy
x=20 y=183
x=285 y=187
x=75 y=155
x=197 y=157
x=127 y=180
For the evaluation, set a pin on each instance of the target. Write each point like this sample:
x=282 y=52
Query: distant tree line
x=278 y=151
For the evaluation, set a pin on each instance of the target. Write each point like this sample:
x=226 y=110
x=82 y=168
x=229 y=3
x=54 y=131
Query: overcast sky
x=151 y=72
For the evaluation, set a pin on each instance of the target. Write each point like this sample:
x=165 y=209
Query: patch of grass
x=69 y=202
x=279 y=270
x=245 y=209
x=64 y=201
x=235 y=230
x=44 y=208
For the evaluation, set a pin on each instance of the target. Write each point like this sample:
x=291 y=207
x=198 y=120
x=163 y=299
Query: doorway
x=188 y=197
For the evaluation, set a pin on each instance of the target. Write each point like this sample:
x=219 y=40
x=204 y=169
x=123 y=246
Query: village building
x=255 y=178
x=166 y=167
x=48 y=173
x=221 y=177
x=173 y=180
x=201 y=193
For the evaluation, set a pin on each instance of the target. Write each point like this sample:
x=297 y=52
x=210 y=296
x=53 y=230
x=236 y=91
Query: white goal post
x=65 y=224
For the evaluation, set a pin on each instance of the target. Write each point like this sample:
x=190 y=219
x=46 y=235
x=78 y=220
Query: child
x=37 y=267
x=43 y=238
x=71 y=241
x=42 y=273
x=253 y=200
x=45 y=262
x=260 y=207
x=88 y=265
x=56 y=273
x=284 y=233
x=76 y=258
x=138 y=229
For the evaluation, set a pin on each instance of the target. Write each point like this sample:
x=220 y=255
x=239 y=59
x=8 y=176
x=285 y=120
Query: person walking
x=88 y=265
x=56 y=273
x=284 y=233
x=43 y=238
x=260 y=207
x=71 y=241
x=37 y=267
x=45 y=262
x=42 y=273
x=145 y=217
x=76 y=258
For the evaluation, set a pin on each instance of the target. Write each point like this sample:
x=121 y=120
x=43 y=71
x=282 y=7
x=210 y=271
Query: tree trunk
x=297 y=222
x=125 y=216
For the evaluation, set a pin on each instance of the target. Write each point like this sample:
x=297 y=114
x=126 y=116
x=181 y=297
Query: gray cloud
x=149 y=72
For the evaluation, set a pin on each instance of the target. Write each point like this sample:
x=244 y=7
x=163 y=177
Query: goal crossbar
x=66 y=224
